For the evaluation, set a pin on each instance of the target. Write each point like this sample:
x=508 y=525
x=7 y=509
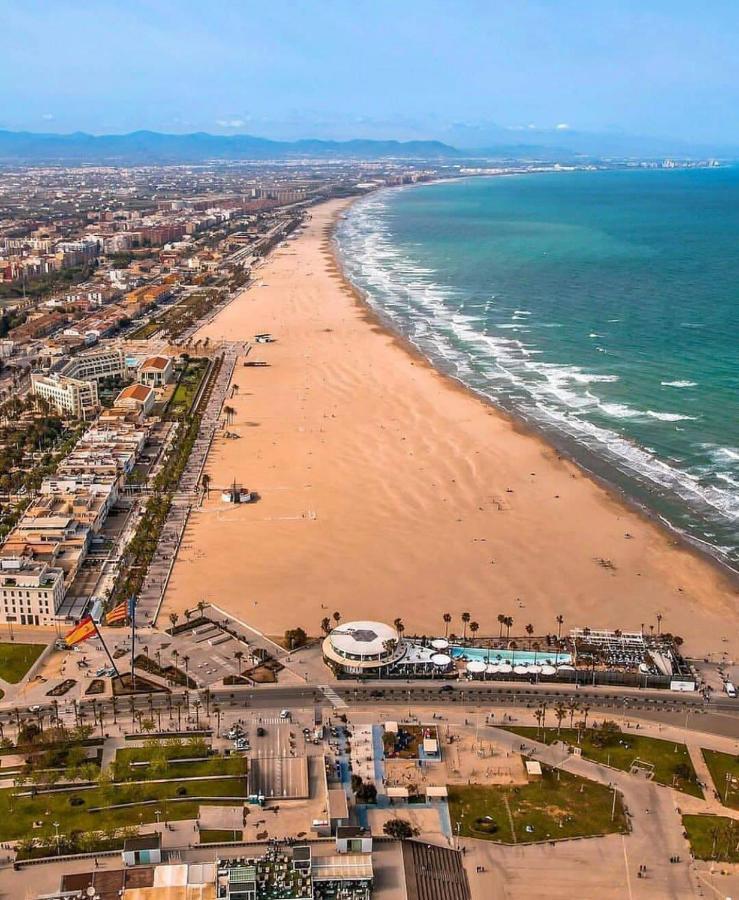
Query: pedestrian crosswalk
x=333 y=698
x=269 y=720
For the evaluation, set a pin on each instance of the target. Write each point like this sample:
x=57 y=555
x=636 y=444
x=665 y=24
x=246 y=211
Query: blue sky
x=372 y=68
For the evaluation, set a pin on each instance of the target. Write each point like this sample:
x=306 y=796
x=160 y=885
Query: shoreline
x=586 y=459
x=385 y=493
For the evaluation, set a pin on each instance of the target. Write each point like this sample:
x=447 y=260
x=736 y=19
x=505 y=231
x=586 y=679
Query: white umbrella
x=441 y=659
x=520 y=670
x=505 y=668
x=476 y=667
x=535 y=669
x=548 y=670
x=439 y=644
x=565 y=667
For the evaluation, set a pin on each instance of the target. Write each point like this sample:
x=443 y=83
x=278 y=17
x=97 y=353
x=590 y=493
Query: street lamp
x=58 y=847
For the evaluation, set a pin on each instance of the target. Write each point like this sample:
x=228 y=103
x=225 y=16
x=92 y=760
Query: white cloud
x=231 y=123
x=47 y=117
x=563 y=126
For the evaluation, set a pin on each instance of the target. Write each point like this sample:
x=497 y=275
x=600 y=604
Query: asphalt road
x=719 y=716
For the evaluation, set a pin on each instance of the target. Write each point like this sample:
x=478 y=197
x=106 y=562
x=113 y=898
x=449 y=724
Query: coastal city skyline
x=369 y=451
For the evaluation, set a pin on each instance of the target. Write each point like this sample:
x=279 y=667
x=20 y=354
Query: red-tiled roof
x=135 y=392
x=156 y=362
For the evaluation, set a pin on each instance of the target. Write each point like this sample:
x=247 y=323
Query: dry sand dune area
x=387 y=490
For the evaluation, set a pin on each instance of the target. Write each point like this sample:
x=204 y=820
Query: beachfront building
x=363 y=648
x=103 y=362
x=68 y=396
x=156 y=371
x=138 y=398
x=31 y=590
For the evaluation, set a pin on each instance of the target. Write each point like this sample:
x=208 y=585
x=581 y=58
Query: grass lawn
x=200 y=768
x=551 y=808
x=713 y=837
x=664 y=755
x=17 y=659
x=18 y=814
x=218 y=836
x=720 y=765
x=187 y=388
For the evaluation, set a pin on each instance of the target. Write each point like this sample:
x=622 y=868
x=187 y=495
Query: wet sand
x=387 y=491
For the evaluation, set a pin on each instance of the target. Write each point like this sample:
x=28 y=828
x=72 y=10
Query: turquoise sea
x=600 y=306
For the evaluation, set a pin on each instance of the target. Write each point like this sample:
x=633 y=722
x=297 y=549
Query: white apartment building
x=31 y=592
x=104 y=362
x=69 y=396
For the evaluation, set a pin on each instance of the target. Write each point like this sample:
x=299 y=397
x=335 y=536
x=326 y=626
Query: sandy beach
x=387 y=490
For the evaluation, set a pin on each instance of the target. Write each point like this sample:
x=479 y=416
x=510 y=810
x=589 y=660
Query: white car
x=285 y=714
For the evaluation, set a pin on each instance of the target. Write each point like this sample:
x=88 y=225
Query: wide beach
x=388 y=491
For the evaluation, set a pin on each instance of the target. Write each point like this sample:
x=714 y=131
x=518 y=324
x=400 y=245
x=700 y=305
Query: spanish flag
x=83 y=630
x=117 y=614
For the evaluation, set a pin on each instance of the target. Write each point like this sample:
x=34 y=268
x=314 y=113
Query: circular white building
x=361 y=648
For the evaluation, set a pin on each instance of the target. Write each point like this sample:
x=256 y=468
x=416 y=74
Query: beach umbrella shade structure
x=566 y=667
x=505 y=668
x=548 y=670
x=492 y=669
x=439 y=644
x=521 y=670
x=441 y=660
x=535 y=669
x=476 y=667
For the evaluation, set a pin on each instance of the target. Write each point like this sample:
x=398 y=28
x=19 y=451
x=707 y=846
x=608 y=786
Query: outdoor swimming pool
x=519 y=657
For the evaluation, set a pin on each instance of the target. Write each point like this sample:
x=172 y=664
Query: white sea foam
x=670 y=417
x=679 y=384
x=500 y=366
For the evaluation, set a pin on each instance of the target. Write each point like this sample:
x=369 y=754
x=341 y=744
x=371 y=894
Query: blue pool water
x=542 y=657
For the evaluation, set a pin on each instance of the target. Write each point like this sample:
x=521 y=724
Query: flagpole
x=105 y=647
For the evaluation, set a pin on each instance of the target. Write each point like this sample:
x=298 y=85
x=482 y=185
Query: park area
x=668 y=761
x=556 y=806
x=713 y=837
x=16 y=659
x=724 y=769
x=160 y=781
x=187 y=387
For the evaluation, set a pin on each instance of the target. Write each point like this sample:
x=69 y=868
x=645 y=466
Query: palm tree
x=474 y=628
x=325 y=625
x=501 y=622
x=529 y=630
x=573 y=706
x=465 y=619
x=585 y=710
x=174 y=619
x=238 y=656
x=337 y=617
x=560 y=622
x=399 y=626
x=539 y=716
x=659 y=623
x=186 y=661
x=560 y=711
x=536 y=646
x=201 y=606
x=447 y=619
x=508 y=624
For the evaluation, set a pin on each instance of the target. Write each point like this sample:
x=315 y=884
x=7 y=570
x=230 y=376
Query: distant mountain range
x=151 y=147
x=490 y=142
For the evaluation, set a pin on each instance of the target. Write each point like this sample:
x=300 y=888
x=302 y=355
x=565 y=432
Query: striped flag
x=83 y=630
x=117 y=614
